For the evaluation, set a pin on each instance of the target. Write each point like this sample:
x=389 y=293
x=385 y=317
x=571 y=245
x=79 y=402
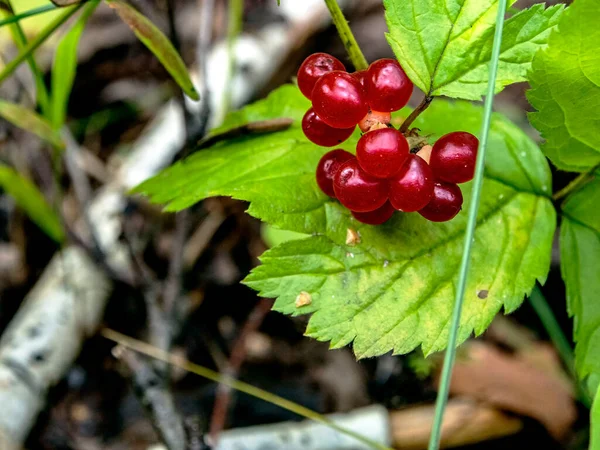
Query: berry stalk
x=348 y=39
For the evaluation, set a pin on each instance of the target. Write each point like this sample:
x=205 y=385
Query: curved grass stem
x=24 y=15
x=576 y=183
x=356 y=55
x=444 y=388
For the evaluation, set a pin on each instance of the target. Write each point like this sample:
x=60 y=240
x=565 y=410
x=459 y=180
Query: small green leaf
x=30 y=121
x=65 y=66
x=565 y=90
x=158 y=44
x=394 y=290
x=580 y=265
x=32 y=201
x=445 y=45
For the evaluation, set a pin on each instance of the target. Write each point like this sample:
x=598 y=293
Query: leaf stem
x=39 y=40
x=558 y=338
x=576 y=183
x=416 y=113
x=444 y=388
x=348 y=39
x=32 y=12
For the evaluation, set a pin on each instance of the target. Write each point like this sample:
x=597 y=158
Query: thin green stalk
x=442 y=398
x=21 y=42
x=576 y=183
x=24 y=15
x=560 y=341
x=39 y=40
x=340 y=22
x=182 y=363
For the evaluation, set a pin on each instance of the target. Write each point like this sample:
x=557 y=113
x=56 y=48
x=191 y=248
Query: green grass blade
x=442 y=398
x=21 y=42
x=182 y=363
x=65 y=66
x=158 y=44
x=33 y=45
x=24 y=15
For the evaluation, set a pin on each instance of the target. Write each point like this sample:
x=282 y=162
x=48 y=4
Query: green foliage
x=394 y=290
x=29 y=121
x=65 y=66
x=595 y=423
x=445 y=45
x=31 y=200
x=158 y=44
x=580 y=265
x=565 y=84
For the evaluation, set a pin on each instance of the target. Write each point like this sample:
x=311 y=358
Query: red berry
x=340 y=100
x=374 y=118
x=412 y=189
x=388 y=87
x=320 y=133
x=377 y=217
x=382 y=152
x=360 y=76
x=453 y=157
x=357 y=190
x=328 y=166
x=313 y=68
x=445 y=204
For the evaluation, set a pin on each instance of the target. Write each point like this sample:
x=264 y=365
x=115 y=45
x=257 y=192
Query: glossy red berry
x=328 y=166
x=313 y=68
x=322 y=134
x=445 y=204
x=357 y=190
x=374 y=119
x=412 y=188
x=377 y=217
x=339 y=99
x=382 y=152
x=453 y=157
x=388 y=88
x=360 y=76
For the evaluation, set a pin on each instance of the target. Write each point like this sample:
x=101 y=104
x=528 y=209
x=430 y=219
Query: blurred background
x=180 y=289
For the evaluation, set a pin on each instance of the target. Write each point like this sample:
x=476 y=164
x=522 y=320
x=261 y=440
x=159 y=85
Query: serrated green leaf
x=65 y=66
x=158 y=44
x=445 y=45
x=32 y=201
x=580 y=266
x=30 y=121
x=565 y=80
x=394 y=289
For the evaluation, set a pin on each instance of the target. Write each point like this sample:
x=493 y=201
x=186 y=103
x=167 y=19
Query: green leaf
x=32 y=201
x=158 y=44
x=595 y=423
x=65 y=66
x=30 y=121
x=395 y=289
x=580 y=266
x=445 y=45
x=565 y=90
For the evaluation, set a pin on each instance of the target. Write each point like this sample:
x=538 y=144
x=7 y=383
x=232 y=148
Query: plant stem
x=443 y=391
x=576 y=183
x=39 y=40
x=416 y=112
x=32 y=12
x=177 y=361
x=558 y=338
x=235 y=16
x=340 y=22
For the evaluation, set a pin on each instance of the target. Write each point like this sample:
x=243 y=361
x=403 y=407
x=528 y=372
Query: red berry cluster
x=384 y=176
